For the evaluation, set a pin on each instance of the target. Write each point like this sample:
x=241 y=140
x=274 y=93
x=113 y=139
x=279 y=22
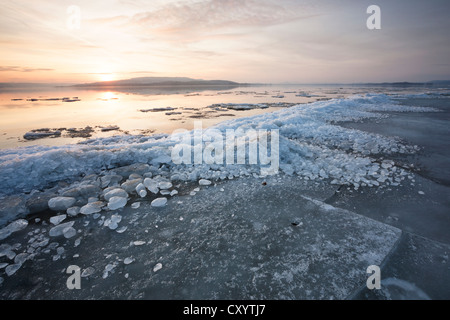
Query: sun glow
x=107 y=77
x=108 y=95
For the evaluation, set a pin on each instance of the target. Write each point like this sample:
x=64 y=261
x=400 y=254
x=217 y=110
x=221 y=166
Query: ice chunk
x=109 y=128
x=42 y=243
x=204 y=182
x=164 y=185
x=2 y=265
x=92 y=199
x=118 y=192
x=4 y=247
x=421 y=193
x=59 y=229
x=148 y=174
x=61 y=203
x=88 y=272
x=122 y=229
x=73 y=211
x=138 y=243
x=10 y=254
x=164 y=192
x=109 y=267
x=12 y=268
x=156 y=109
x=157 y=267
x=161 y=159
x=14 y=226
x=34 y=135
x=110 y=180
x=116 y=218
x=83 y=191
x=116 y=203
x=151 y=185
x=159 y=202
x=138 y=168
x=53 y=245
x=130 y=185
x=173 y=192
x=135 y=205
x=113 y=222
x=386 y=164
x=128 y=260
x=92 y=207
x=113 y=225
x=55 y=220
x=69 y=232
x=141 y=191
x=21 y=258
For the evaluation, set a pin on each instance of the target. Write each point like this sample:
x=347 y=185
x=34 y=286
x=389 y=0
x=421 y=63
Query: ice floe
x=159 y=202
x=55 y=220
x=59 y=229
x=117 y=203
x=157 y=267
x=14 y=226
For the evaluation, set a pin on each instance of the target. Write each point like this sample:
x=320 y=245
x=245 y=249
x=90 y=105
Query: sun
x=107 y=77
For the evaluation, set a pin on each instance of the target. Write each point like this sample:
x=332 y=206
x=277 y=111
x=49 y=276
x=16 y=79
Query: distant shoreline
x=189 y=85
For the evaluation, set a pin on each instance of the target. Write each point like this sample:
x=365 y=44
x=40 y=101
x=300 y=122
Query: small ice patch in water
x=159 y=202
x=69 y=232
x=122 y=229
x=12 y=268
x=135 y=205
x=57 y=219
x=204 y=182
x=88 y=272
x=157 y=267
x=59 y=229
x=13 y=227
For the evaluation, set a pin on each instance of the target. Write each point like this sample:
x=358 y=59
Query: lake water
x=120 y=109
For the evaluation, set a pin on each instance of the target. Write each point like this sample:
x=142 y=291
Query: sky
x=253 y=41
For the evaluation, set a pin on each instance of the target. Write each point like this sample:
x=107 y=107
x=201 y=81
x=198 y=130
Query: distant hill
x=440 y=82
x=159 y=82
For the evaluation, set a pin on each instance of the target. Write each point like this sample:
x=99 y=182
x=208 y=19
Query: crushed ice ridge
x=312 y=146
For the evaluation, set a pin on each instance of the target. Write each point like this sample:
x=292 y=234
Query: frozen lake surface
x=363 y=181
